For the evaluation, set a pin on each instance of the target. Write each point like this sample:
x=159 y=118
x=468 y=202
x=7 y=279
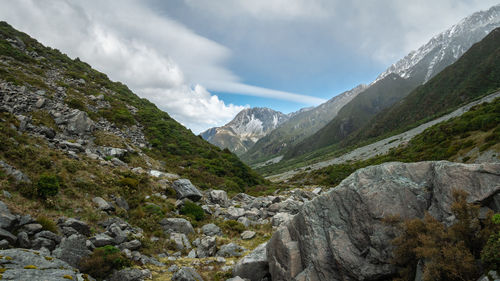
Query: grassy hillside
x=475 y=74
x=459 y=139
x=177 y=147
x=356 y=114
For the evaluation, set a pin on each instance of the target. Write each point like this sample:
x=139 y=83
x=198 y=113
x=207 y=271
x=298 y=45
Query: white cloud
x=158 y=58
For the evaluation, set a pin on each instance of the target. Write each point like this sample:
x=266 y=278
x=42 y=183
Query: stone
x=173 y=268
x=180 y=240
x=245 y=221
x=4 y=244
x=101 y=240
x=50 y=269
x=234 y=213
x=218 y=197
x=40 y=243
x=243 y=198
x=185 y=189
x=122 y=203
x=7 y=220
x=236 y=278
x=207 y=247
x=49 y=235
x=6 y=194
x=117 y=233
x=253 y=266
x=230 y=250
x=32 y=228
x=17 y=175
x=159 y=174
x=211 y=230
x=4 y=234
x=247 y=235
x=103 y=205
x=131 y=245
x=79 y=123
x=78 y=225
x=186 y=274
x=72 y=249
x=281 y=218
x=178 y=225
x=23 y=240
x=130 y=274
x=192 y=254
x=327 y=239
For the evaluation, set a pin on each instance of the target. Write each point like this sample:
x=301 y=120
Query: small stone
x=247 y=235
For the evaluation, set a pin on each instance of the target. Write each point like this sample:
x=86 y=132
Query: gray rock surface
x=207 y=247
x=16 y=174
x=211 y=230
x=185 y=189
x=178 y=225
x=103 y=205
x=186 y=274
x=340 y=234
x=253 y=266
x=130 y=274
x=27 y=265
x=72 y=249
x=218 y=197
x=247 y=235
x=230 y=250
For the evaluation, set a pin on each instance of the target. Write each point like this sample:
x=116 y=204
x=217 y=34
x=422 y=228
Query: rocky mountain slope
x=245 y=129
x=400 y=79
x=299 y=126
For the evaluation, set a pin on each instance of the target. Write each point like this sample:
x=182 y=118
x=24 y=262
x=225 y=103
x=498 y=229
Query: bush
x=47 y=185
x=193 y=211
x=232 y=227
x=103 y=261
x=47 y=224
x=490 y=255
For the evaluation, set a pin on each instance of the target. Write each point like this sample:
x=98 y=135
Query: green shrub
x=47 y=185
x=103 y=261
x=193 y=211
x=232 y=227
x=76 y=103
x=490 y=255
x=154 y=209
x=27 y=190
x=47 y=224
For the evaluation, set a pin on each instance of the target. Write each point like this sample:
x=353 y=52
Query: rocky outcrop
x=340 y=235
x=185 y=189
x=253 y=266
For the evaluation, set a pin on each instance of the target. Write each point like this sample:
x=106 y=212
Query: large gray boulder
x=211 y=230
x=72 y=249
x=218 y=197
x=185 y=189
x=25 y=264
x=340 y=235
x=78 y=225
x=79 y=123
x=178 y=225
x=253 y=266
x=186 y=274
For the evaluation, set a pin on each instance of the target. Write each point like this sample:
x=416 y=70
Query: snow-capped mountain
x=245 y=129
x=446 y=47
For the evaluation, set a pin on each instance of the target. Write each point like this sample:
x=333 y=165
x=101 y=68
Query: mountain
x=245 y=129
x=404 y=76
x=299 y=126
x=76 y=107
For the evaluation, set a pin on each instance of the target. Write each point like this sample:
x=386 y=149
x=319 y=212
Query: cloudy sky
x=203 y=61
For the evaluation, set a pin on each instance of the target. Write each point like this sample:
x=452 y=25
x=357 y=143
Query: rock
x=192 y=254
x=101 y=240
x=231 y=250
x=207 y=247
x=178 y=225
x=112 y=152
x=4 y=244
x=118 y=162
x=78 y=225
x=117 y=233
x=7 y=220
x=254 y=265
x=159 y=174
x=122 y=203
x=333 y=230
x=17 y=175
x=493 y=274
x=245 y=221
x=218 y=197
x=4 y=234
x=131 y=245
x=72 y=249
x=40 y=243
x=243 y=198
x=281 y=218
x=40 y=266
x=130 y=274
x=71 y=145
x=48 y=235
x=6 y=194
x=186 y=274
x=247 y=235
x=180 y=240
x=237 y=278
x=79 y=123
x=103 y=205
x=23 y=240
x=211 y=230
x=173 y=268
x=234 y=213
x=185 y=189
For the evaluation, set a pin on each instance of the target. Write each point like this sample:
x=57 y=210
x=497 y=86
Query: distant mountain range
x=245 y=129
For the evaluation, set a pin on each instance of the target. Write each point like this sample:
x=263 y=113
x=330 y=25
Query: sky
x=204 y=61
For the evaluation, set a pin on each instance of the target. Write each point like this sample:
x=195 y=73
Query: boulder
x=79 y=123
x=103 y=205
x=180 y=241
x=178 y=225
x=32 y=228
x=122 y=203
x=131 y=245
x=230 y=250
x=254 y=265
x=234 y=213
x=78 y=225
x=72 y=249
x=281 y=218
x=32 y=265
x=101 y=240
x=186 y=274
x=207 y=247
x=130 y=274
x=185 y=189
x=218 y=197
x=17 y=175
x=247 y=235
x=211 y=230
x=340 y=235
x=4 y=234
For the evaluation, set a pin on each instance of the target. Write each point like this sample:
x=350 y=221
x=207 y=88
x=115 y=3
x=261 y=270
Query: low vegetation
x=103 y=261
